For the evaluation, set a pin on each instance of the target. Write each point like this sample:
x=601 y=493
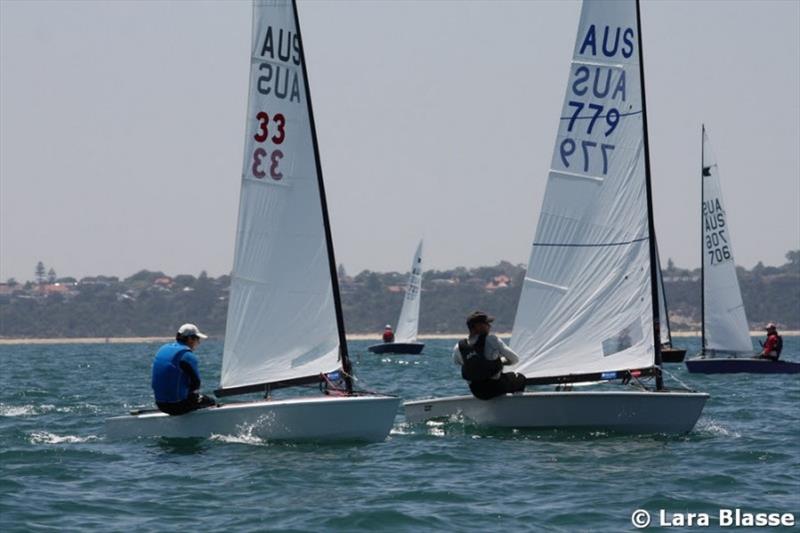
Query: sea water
x=59 y=472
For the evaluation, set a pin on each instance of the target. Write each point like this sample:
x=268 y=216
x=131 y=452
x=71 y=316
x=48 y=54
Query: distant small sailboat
x=669 y=353
x=726 y=344
x=589 y=308
x=285 y=325
x=405 y=336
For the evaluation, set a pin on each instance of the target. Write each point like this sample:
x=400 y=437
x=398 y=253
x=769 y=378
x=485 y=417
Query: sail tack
x=281 y=316
x=586 y=303
x=725 y=323
x=408 y=323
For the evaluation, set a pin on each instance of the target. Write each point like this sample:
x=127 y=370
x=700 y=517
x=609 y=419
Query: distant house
x=51 y=289
x=498 y=282
x=164 y=281
x=395 y=288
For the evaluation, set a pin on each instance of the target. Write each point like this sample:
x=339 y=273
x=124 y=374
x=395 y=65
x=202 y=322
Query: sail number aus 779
x=568 y=147
x=268 y=130
x=589 y=149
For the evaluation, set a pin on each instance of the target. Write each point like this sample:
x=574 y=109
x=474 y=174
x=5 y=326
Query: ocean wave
x=17 y=410
x=45 y=408
x=45 y=437
x=713 y=428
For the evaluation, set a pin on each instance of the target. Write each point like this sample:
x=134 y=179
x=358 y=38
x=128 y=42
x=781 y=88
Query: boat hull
x=619 y=411
x=672 y=355
x=397 y=347
x=356 y=418
x=731 y=365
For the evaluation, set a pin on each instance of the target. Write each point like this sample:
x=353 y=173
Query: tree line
x=154 y=304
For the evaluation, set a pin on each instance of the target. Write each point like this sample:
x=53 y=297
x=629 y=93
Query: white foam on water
x=45 y=437
x=17 y=410
x=401 y=429
x=711 y=427
x=245 y=435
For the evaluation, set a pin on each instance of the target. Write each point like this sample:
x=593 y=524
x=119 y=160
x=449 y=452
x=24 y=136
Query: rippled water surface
x=60 y=473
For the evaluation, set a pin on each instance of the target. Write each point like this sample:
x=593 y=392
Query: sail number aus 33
x=274 y=131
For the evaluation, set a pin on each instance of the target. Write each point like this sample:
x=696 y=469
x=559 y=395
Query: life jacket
x=170 y=383
x=476 y=366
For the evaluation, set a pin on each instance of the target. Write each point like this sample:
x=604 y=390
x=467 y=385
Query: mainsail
x=725 y=327
x=587 y=297
x=282 y=315
x=408 y=323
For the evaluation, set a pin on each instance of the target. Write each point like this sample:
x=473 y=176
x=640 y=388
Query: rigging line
x=673 y=376
x=598 y=245
x=603 y=116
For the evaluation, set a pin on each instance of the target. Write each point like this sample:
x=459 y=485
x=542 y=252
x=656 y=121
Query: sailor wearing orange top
x=774 y=345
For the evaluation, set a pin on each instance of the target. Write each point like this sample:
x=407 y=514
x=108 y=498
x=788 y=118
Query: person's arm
x=510 y=355
x=191 y=373
x=457 y=359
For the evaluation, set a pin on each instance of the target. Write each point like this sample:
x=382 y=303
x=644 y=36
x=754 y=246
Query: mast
x=337 y=300
x=650 y=222
x=702 y=250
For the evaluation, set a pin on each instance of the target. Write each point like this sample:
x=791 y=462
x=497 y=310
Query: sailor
x=176 y=377
x=482 y=356
x=772 y=348
x=388 y=334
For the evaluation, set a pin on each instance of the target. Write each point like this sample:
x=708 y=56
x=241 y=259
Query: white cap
x=388 y=326
x=190 y=330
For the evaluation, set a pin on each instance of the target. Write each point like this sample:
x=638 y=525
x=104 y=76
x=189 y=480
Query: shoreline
x=7 y=341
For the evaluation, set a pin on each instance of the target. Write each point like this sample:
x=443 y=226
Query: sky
x=122 y=128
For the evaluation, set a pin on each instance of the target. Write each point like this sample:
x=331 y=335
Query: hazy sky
x=122 y=128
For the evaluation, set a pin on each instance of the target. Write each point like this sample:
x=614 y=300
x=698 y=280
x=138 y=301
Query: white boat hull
x=362 y=418
x=616 y=411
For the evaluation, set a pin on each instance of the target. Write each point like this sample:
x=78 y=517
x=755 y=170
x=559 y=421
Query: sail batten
x=282 y=322
x=593 y=236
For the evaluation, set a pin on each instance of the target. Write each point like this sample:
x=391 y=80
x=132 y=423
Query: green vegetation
x=154 y=304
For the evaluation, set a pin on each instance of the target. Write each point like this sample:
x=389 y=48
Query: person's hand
x=503 y=360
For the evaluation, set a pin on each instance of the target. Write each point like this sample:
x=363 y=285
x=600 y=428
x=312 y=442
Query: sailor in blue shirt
x=176 y=375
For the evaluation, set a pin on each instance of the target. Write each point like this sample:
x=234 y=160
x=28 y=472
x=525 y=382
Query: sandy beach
x=352 y=337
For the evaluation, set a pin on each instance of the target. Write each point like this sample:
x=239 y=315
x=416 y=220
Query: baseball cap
x=479 y=316
x=190 y=330
x=770 y=326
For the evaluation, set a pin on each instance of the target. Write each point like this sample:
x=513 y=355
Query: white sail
x=586 y=303
x=408 y=323
x=666 y=338
x=281 y=315
x=725 y=323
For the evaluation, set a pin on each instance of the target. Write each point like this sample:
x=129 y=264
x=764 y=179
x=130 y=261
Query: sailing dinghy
x=284 y=325
x=669 y=353
x=405 y=336
x=726 y=344
x=589 y=307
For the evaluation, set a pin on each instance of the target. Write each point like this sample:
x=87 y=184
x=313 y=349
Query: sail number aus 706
x=264 y=161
